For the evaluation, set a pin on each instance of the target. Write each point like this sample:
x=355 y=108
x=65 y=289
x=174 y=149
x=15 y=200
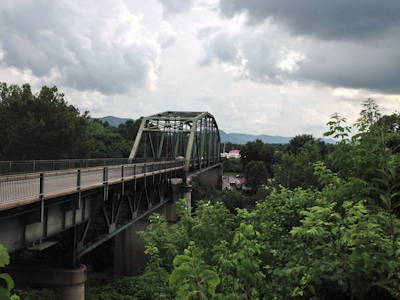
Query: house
x=244 y=187
x=232 y=153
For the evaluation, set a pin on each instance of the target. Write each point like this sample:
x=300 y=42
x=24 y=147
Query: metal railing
x=39 y=166
x=18 y=187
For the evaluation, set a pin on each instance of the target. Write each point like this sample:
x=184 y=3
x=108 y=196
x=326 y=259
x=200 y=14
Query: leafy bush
x=7 y=284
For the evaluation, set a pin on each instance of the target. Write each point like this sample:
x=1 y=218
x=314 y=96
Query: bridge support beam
x=213 y=176
x=69 y=283
x=129 y=249
x=179 y=191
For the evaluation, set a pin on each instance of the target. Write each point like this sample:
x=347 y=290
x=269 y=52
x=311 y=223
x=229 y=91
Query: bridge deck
x=32 y=187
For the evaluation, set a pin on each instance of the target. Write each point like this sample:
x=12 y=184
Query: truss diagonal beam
x=190 y=136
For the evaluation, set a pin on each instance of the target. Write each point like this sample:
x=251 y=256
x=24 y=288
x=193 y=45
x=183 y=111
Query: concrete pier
x=69 y=283
x=129 y=250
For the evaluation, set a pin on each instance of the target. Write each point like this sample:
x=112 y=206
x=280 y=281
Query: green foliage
x=129 y=129
x=105 y=142
x=44 y=126
x=109 y=288
x=341 y=239
x=160 y=244
x=297 y=170
x=297 y=143
x=7 y=284
x=258 y=151
x=336 y=129
x=202 y=190
x=256 y=174
x=193 y=278
x=329 y=229
x=39 y=126
x=33 y=294
x=233 y=165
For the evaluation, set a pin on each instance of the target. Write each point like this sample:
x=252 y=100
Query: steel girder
x=190 y=136
x=126 y=205
x=82 y=218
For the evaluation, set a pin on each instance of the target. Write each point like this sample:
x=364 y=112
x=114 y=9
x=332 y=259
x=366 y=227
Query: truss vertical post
x=137 y=141
x=41 y=193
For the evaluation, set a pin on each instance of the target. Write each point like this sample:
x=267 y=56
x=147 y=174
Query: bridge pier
x=213 y=176
x=129 y=250
x=69 y=283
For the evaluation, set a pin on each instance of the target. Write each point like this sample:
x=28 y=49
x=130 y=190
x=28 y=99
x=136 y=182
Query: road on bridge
x=16 y=188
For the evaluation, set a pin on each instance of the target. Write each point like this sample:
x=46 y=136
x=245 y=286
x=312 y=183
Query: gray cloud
x=205 y=31
x=339 y=19
x=222 y=48
x=174 y=7
x=360 y=66
x=352 y=44
x=95 y=46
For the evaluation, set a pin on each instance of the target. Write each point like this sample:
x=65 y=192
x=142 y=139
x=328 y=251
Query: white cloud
x=166 y=35
x=290 y=60
x=346 y=93
x=205 y=94
x=245 y=62
x=99 y=46
x=175 y=7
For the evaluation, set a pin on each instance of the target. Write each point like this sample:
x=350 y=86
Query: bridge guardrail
x=39 y=166
x=18 y=187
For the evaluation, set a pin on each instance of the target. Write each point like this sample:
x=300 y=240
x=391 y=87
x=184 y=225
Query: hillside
x=242 y=138
x=236 y=138
x=113 y=121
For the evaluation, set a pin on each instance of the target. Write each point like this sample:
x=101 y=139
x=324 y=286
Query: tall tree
x=297 y=170
x=105 y=142
x=41 y=126
x=232 y=164
x=256 y=174
x=258 y=151
x=129 y=129
x=296 y=144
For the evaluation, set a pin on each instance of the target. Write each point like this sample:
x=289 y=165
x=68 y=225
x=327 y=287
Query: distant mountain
x=235 y=138
x=242 y=138
x=113 y=121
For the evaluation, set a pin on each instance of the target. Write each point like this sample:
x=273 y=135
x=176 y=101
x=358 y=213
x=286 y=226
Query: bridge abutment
x=129 y=250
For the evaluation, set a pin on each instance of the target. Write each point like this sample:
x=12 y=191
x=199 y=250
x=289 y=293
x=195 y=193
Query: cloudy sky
x=271 y=67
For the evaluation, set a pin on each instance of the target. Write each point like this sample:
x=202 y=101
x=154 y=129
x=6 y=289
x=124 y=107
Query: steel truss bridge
x=83 y=203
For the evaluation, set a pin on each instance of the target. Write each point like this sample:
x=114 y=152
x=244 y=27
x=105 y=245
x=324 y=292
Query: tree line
x=336 y=240
x=290 y=165
x=45 y=126
x=328 y=228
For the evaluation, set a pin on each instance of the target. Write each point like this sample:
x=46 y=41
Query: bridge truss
x=84 y=207
x=190 y=136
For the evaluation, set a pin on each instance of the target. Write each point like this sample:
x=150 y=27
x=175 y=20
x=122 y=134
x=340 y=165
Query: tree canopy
x=45 y=126
x=258 y=151
x=338 y=241
x=39 y=126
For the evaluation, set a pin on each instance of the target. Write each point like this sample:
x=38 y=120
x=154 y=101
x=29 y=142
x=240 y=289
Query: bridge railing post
x=41 y=195
x=79 y=178
x=105 y=183
x=122 y=180
x=78 y=186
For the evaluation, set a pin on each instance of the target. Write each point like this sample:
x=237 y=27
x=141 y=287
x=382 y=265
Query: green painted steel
x=190 y=136
x=95 y=203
